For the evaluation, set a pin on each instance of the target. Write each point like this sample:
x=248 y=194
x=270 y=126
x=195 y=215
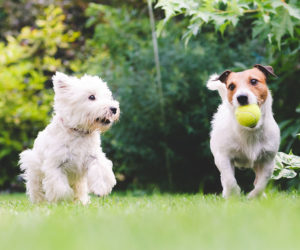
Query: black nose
x=113 y=110
x=242 y=99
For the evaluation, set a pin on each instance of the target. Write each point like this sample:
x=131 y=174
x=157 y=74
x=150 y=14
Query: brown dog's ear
x=223 y=76
x=267 y=70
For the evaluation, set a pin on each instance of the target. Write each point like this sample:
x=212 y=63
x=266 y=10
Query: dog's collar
x=77 y=130
x=81 y=131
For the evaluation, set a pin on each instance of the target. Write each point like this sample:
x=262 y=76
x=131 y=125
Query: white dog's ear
x=60 y=81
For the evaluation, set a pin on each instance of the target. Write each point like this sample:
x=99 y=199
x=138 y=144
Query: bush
x=149 y=150
x=143 y=140
x=26 y=62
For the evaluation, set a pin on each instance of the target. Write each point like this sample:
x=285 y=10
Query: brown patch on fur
x=243 y=78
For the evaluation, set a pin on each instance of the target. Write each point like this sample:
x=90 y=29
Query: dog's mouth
x=103 y=121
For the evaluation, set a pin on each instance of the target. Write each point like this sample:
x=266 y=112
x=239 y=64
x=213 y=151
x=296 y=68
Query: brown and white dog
x=234 y=145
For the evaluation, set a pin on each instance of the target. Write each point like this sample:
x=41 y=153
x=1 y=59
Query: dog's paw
x=59 y=193
x=110 y=179
x=85 y=200
x=101 y=189
x=234 y=190
x=255 y=193
x=98 y=188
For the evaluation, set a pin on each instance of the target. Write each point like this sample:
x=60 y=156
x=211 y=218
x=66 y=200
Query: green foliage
x=272 y=19
x=115 y=43
x=122 y=47
x=25 y=100
x=278 y=23
x=285 y=167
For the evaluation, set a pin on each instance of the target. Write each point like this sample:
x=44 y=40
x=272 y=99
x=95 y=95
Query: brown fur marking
x=242 y=79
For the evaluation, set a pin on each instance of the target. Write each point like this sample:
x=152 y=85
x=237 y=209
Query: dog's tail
x=27 y=159
x=214 y=84
x=30 y=164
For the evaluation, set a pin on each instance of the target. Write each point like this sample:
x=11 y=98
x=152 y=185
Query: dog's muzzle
x=242 y=100
x=109 y=118
x=113 y=110
x=103 y=121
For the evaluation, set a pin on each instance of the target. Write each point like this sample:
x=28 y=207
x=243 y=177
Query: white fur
x=234 y=145
x=67 y=161
x=214 y=84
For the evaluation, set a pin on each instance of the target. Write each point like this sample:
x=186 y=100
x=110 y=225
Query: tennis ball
x=248 y=115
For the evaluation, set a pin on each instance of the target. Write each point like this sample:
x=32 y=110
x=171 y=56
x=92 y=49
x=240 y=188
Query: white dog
x=234 y=145
x=67 y=161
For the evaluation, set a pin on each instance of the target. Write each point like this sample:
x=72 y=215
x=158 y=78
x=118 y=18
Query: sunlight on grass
x=152 y=222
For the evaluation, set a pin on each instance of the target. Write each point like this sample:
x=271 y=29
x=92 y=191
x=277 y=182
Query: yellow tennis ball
x=248 y=115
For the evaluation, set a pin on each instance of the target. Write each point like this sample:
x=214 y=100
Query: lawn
x=159 y=221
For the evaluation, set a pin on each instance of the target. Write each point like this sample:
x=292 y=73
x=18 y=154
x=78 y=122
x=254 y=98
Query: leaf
x=284 y=173
x=4 y=152
x=186 y=37
x=266 y=18
x=223 y=27
x=159 y=27
x=292 y=10
x=258 y=28
x=219 y=20
x=194 y=28
x=286 y=24
x=205 y=16
x=91 y=21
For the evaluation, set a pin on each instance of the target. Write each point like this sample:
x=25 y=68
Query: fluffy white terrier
x=234 y=145
x=67 y=161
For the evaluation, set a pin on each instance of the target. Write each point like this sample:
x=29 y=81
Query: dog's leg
x=101 y=178
x=81 y=191
x=263 y=174
x=108 y=174
x=229 y=184
x=55 y=183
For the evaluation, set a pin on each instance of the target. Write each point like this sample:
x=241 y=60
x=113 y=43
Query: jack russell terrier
x=234 y=145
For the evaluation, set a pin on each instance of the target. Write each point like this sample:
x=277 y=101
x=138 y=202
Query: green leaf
x=205 y=16
x=292 y=10
x=258 y=28
x=223 y=27
x=283 y=26
x=159 y=27
x=284 y=173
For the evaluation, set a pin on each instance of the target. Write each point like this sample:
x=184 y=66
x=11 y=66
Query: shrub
x=143 y=140
x=26 y=62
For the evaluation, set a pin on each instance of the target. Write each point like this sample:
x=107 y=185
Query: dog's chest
x=248 y=150
x=78 y=153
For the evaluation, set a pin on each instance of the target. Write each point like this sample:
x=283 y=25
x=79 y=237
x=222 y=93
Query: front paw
x=255 y=193
x=110 y=179
x=100 y=189
x=59 y=193
x=85 y=200
x=233 y=190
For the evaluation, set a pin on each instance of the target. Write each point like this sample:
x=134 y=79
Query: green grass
x=152 y=222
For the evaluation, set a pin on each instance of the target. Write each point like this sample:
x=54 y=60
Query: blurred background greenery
x=113 y=39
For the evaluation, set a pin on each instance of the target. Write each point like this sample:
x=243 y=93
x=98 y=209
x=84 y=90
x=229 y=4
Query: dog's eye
x=92 y=97
x=253 y=82
x=231 y=86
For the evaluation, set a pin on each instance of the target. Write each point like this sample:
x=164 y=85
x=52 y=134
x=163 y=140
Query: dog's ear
x=60 y=81
x=223 y=77
x=267 y=70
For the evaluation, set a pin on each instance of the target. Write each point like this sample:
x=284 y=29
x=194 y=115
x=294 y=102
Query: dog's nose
x=242 y=99
x=113 y=110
